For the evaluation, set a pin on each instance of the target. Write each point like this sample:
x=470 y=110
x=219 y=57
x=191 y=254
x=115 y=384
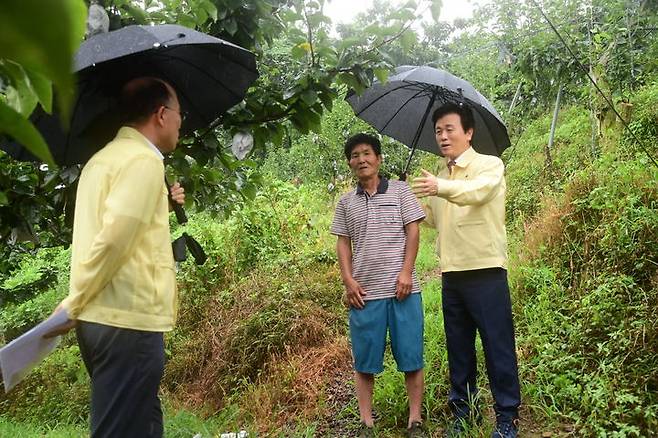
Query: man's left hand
x=403 y=285
x=425 y=185
x=178 y=193
x=61 y=329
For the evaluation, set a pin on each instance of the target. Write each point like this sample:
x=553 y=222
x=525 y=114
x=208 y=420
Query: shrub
x=33 y=290
x=270 y=288
x=57 y=391
x=586 y=286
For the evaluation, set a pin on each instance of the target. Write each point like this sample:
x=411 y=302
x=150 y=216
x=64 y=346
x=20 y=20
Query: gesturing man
x=378 y=237
x=123 y=291
x=467 y=207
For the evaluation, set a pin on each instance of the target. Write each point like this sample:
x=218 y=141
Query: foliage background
x=261 y=342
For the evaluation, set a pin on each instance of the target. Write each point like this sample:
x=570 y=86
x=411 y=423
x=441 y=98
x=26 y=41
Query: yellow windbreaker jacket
x=469 y=214
x=122 y=267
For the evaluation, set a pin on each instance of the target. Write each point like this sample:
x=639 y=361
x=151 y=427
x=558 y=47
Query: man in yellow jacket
x=467 y=207
x=123 y=290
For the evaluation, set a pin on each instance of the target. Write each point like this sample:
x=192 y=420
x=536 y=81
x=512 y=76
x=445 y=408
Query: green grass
x=179 y=423
x=9 y=428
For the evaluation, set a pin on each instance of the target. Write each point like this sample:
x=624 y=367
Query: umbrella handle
x=181 y=217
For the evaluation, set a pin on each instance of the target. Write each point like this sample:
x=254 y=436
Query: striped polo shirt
x=375 y=225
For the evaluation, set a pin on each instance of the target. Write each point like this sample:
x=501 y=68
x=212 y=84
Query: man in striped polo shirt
x=377 y=229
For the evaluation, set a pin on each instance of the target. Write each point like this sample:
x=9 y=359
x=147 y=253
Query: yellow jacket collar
x=466 y=157
x=127 y=132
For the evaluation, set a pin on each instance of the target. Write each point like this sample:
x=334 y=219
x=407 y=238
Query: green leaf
x=347 y=43
x=78 y=15
x=313 y=120
x=211 y=9
x=20 y=95
x=349 y=80
x=314 y=20
x=288 y=15
x=138 y=14
x=3 y=199
x=231 y=26
x=18 y=127
x=200 y=16
x=309 y=96
x=435 y=9
x=300 y=122
x=43 y=88
x=41 y=36
x=249 y=191
x=408 y=39
x=381 y=74
x=187 y=21
x=300 y=50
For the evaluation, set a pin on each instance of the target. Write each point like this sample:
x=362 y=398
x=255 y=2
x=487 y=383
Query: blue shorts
x=404 y=322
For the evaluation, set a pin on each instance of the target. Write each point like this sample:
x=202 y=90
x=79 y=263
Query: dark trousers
x=480 y=300
x=125 y=367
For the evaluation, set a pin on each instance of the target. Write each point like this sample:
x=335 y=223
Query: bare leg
x=364 y=387
x=414 y=383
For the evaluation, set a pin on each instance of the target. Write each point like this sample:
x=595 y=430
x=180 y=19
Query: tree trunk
x=549 y=146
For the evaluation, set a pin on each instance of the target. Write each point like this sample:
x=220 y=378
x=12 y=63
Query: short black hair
x=141 y=97
x=362 y=138
x=461 y=109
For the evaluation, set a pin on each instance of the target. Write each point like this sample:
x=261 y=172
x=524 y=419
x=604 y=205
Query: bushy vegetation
x=267 y=302
x=586 y=282
x=30 y=292
x=261 y=339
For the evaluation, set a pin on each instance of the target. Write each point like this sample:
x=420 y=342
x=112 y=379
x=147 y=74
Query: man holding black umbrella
x=123 y=289
x=467 y=207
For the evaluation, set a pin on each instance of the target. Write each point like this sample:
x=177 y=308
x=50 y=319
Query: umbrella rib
x=414 y=142
x=204 y=71
x=190 y=101
x=401 y=87
x=402 y=107
x=179 y=90
x=490 y=130
x=67 y=149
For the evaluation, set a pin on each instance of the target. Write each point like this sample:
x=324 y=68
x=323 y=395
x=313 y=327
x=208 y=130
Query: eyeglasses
x=183 y=114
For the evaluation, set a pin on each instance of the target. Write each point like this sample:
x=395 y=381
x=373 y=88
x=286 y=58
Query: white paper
x=21 y=355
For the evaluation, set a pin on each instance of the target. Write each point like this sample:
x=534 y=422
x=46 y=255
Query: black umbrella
x=210 y=76
x=401 y=107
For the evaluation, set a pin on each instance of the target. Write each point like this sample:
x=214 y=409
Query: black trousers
x=479 y=300
x=125 y=367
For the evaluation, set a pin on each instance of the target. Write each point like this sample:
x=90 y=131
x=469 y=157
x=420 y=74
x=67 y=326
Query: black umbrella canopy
x=398 y=107
x=210 y=76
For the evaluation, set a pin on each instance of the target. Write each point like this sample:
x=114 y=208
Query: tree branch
x=309 y=35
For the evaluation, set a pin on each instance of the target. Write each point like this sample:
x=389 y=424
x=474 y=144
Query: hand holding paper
x=22 y=354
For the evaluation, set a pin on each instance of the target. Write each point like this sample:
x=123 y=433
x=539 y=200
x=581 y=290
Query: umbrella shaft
x=414 y=143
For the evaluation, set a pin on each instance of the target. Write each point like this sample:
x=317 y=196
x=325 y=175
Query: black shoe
x=506 y=428
x=416 y=430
